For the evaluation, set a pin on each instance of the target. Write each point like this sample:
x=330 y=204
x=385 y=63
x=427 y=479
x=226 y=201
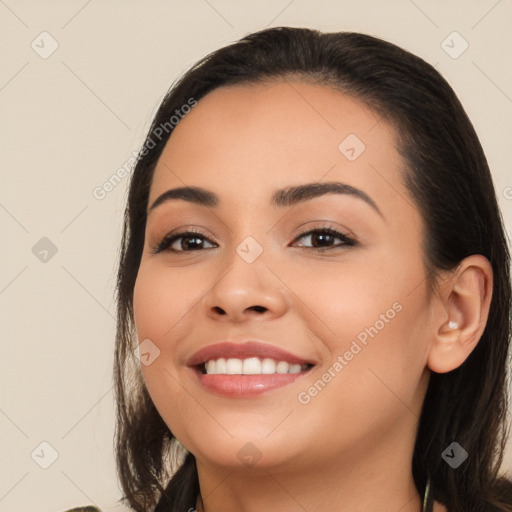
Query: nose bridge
x=251 y=245
x=245 y=268
x=244 y=284
x=249 y=237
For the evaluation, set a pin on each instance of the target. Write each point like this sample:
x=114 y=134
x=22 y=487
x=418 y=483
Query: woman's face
x=353 y=305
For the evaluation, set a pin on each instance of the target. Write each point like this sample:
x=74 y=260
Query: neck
x=378 y=480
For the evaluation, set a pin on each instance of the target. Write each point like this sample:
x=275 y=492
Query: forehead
x=248 y=140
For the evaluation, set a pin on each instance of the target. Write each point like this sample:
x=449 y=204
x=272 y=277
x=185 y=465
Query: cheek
x=160 y=305
x=372 y=320
x=162 y=297
x=347 y=297
x=375 y=378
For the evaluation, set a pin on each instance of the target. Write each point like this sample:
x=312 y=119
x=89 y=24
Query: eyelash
x=170 y=239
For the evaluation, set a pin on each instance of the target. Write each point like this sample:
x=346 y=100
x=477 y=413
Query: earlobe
x=465 y=299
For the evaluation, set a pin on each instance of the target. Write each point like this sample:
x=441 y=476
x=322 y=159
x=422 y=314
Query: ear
x=464 y=300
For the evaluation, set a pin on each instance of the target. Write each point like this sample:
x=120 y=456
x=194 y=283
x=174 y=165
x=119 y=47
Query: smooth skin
x=350 y=447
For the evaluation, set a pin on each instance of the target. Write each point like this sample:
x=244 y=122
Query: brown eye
x=188 y=241
x=323 y=238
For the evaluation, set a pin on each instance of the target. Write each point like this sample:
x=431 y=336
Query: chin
x=251 y=454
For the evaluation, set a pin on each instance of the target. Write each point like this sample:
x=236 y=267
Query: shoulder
x=112 y=507
x=84 y=509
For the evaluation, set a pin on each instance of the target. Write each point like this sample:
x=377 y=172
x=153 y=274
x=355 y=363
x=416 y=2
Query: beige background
x=69 y=121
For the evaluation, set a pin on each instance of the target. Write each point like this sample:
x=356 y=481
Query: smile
x=251 y=366
x=247 y=369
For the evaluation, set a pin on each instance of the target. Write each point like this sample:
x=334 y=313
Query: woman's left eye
x=321 y=238
x=324 y=237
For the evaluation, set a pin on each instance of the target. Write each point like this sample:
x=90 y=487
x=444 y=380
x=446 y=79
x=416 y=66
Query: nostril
x=259 y=309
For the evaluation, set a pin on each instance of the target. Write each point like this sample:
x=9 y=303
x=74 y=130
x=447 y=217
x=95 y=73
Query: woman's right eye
x=190 y=241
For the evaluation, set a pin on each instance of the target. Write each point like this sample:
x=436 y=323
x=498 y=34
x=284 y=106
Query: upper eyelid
x=327 y=224
x=305 y=232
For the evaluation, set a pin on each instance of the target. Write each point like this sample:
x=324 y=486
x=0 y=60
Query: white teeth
x=250 y=366
x=211 y=367
x=294 y=368
x=282 y=367
x=220 y=365
x=268 y=366
x=234 y=366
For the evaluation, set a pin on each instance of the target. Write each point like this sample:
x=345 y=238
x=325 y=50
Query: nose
x=245 y=291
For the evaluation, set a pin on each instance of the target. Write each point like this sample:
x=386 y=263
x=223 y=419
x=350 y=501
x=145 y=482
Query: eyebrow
x=281 y=198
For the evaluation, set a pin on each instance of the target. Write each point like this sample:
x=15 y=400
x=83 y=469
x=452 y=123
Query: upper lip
x=246 y=349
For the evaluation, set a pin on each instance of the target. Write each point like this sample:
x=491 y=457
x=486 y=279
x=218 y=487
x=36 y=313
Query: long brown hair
x=449 y=179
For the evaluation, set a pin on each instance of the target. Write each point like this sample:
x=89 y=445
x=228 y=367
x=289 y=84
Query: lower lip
x=246 y=386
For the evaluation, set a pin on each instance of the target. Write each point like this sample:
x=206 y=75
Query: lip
x=244 y=350
x=245 y=386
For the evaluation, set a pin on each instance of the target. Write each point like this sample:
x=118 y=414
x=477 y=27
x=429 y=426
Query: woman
x=315 y=279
